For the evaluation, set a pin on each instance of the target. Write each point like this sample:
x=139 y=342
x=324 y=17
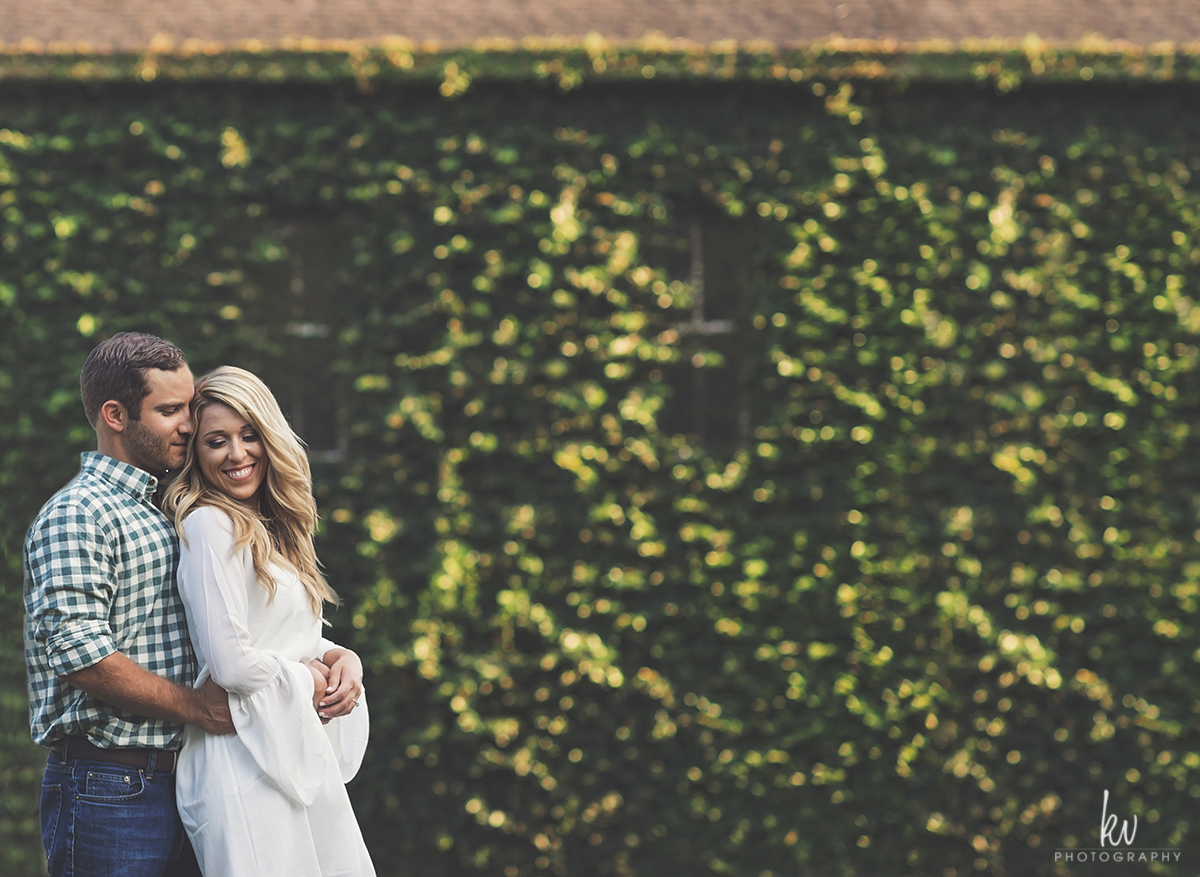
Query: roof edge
x=568 y=64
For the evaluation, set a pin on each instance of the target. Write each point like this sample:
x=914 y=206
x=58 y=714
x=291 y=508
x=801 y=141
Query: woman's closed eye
x=247 y=439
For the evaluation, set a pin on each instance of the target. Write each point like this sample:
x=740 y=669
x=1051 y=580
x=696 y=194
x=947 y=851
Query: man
x=106 y=645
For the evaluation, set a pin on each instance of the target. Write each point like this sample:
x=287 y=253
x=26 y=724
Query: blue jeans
x=107 y=820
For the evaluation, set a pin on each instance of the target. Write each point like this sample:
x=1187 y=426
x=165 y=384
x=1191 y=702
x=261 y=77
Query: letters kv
x=1108 y=821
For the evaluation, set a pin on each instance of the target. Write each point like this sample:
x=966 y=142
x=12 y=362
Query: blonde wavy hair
x=287 y=515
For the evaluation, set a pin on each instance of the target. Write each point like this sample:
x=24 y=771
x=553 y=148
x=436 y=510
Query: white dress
x=270 y=800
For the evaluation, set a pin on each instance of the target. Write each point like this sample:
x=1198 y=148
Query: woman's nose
x=236 y=450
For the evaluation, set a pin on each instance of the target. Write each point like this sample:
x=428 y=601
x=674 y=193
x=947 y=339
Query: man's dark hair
x=116 y=369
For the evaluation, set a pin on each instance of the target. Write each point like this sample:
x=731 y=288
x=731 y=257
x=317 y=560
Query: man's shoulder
x=83 y=494
x=86 y=502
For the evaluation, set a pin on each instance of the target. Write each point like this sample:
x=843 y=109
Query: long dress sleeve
x=349 y=734
x=270 y=697
x=348 y=737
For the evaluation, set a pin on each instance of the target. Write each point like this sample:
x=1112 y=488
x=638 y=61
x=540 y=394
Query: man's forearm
x=121 y=682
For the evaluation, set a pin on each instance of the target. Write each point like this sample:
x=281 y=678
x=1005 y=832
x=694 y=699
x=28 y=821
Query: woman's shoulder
x=207 y=522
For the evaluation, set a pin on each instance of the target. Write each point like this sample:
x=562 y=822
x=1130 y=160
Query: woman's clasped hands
x=337 y=685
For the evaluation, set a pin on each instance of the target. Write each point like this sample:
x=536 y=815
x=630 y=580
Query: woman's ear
x=114 y=416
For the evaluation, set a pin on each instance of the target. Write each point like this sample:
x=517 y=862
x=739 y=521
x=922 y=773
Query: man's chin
x=167 y=465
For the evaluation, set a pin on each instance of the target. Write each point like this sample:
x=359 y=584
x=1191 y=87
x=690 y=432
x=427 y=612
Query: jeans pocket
x=112 y=785
x=51 y=809
x=122 y=822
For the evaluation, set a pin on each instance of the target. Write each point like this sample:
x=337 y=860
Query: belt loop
x=150 y=763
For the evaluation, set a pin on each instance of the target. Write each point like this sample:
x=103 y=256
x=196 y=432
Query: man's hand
x=213 y=709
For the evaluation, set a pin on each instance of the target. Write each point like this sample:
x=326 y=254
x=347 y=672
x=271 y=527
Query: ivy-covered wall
x=883 y=561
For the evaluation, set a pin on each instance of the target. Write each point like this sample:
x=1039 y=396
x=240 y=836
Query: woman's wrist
x=336 y=654
x=345 y=659
x=320 y=676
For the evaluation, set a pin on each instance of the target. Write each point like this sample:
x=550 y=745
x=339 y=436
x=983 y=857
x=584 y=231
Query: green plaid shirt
x=100 y=564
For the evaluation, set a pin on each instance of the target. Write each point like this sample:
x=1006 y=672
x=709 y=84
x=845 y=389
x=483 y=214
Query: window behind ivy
x=708 y=384
x=288 y=337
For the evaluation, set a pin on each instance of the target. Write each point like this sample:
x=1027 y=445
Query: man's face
x=158 y=441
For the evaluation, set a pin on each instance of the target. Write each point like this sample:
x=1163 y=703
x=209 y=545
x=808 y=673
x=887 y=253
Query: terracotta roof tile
x=115 y=25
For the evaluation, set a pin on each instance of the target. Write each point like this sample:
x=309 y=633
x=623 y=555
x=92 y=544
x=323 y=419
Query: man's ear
x=114 y=416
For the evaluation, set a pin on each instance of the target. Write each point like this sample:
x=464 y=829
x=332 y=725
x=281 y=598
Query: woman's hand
x=320 y=674
x=344 y=686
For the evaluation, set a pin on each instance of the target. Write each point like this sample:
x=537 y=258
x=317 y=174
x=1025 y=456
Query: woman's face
x=231 y=454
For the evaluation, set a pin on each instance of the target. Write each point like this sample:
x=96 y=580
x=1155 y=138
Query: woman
x=270 y=800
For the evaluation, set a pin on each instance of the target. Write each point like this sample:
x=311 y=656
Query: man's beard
x=152 y=452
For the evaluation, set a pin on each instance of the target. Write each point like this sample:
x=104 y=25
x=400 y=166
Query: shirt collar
x=138 y=483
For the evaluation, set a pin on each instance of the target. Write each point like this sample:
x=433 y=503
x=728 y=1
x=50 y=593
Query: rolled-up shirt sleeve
x=71 y=590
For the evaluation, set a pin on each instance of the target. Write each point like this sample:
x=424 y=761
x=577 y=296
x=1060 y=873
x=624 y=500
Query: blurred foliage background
x=743 y=479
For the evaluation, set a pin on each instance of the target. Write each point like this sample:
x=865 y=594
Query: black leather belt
x=81 y=747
